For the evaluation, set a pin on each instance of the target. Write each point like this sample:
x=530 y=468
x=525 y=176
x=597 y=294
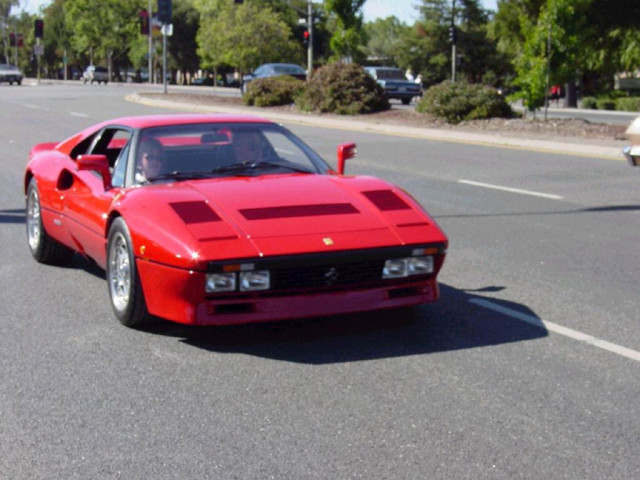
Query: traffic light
x=12 y=39
x=144 y=22
x=453 y=35
x=164 y=11
x=39 y=28
x=305 y=38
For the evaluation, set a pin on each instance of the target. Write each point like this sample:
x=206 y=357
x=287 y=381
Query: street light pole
x=149 y=63
x=310 y=46
x=453 y=41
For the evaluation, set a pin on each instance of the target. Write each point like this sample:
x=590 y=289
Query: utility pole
x=453 y=37
x=150 y=39
x=310 y=46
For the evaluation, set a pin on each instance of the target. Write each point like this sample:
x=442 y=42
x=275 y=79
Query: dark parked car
x=395 y=83
x=274 y=70
x=10 y=74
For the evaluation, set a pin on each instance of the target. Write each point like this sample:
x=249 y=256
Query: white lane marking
x=512 y=190
x=81 y=115
x=559 y=329
x=31 y=105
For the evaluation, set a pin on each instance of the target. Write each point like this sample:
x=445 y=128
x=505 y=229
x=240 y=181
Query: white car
x=95 y=74
x=10 y=74
x=632 y=152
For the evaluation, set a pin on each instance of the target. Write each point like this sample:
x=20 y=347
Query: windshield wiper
x=177 y=175
x=252 y=166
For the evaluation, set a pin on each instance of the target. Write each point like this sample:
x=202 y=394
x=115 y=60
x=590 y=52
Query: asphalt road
x=528 y=367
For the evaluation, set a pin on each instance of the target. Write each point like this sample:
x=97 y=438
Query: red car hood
x=289 y=214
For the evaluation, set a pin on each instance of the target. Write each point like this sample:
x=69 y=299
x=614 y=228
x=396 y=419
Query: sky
x=403 y=9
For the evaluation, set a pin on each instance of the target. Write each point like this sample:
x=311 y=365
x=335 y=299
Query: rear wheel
x=125 y=291
x=43 y=248
x=406 y=101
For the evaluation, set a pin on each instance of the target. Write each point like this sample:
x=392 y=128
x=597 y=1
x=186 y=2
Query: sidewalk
x=584 y=149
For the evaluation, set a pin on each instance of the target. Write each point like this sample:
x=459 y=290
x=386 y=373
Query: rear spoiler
x=42 y=147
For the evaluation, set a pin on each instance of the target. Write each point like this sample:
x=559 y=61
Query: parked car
x=632 y=151
x=395 y=83
x=274 y=70
x=10 y=74
x=235 y=220
x=95 y=74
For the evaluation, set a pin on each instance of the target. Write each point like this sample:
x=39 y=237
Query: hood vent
x=386 y=200
x=294 y=211
x=195 y=212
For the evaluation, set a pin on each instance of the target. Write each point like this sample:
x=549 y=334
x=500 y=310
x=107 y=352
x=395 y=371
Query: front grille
x=327 y=275
x=327 y=271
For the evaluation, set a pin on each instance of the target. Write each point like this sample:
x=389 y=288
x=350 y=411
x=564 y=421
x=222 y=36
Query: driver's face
x=247 y=147
x=151 y=163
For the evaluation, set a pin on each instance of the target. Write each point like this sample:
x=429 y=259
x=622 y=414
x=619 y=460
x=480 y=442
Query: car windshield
x=210 y=150
x=390 y=74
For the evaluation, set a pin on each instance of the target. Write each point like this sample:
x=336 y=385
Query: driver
x=151 y=159
x=248 y=146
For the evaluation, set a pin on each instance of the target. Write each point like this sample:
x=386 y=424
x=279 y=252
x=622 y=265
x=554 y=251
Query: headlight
x=254 y=280
x=395 y=268
x=220 y=282
x=420 y=265
x=405 y=267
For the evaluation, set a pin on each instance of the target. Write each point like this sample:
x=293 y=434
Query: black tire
x=43 y=248
x=406 y=101
x=123 y=281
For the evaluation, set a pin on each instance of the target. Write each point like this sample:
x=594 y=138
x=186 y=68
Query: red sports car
x=212 y=220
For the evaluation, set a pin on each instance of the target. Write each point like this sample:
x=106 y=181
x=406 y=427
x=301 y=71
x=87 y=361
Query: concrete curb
x=575 y=149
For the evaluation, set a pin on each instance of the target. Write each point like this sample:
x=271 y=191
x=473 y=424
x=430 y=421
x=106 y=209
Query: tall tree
x=107 y=27
x=243 y=36
x=5 y=11
x=348 y=31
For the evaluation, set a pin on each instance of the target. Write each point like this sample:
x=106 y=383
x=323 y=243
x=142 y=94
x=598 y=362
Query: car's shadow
x=452 y=323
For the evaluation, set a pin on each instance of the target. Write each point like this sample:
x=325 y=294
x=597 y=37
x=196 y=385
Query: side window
x=117 y=180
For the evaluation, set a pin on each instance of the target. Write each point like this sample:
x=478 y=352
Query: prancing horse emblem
x=330 y=276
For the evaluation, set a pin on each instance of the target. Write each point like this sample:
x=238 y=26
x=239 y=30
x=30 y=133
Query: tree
x=243 y=36
x=108 y=27
x=348 y=31
x=385 y=40
x=5 y=11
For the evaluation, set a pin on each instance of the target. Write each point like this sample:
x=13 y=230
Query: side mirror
x=96 y=163
x=345 y=152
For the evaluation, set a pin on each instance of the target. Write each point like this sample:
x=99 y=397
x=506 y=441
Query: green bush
x=628 y=104
x=342 y=88
x=273 y=91
x=590 y=103
x=606 y=104
x=463 y=101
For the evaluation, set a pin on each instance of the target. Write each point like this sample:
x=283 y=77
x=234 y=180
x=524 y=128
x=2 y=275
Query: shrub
x=273 y=91
x=628 y=104
x=590 y=103
x=342 y=88
x=606 y=104
x=463 y=101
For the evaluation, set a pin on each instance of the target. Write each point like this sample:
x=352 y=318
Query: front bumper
x=178 y=295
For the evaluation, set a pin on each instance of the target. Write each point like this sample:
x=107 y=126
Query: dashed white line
x=81 y=115
x=512 y=190
x=559 y=329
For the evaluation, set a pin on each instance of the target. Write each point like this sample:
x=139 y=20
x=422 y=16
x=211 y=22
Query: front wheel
x=406 y=101
x=125 y=291
x=43 y=248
